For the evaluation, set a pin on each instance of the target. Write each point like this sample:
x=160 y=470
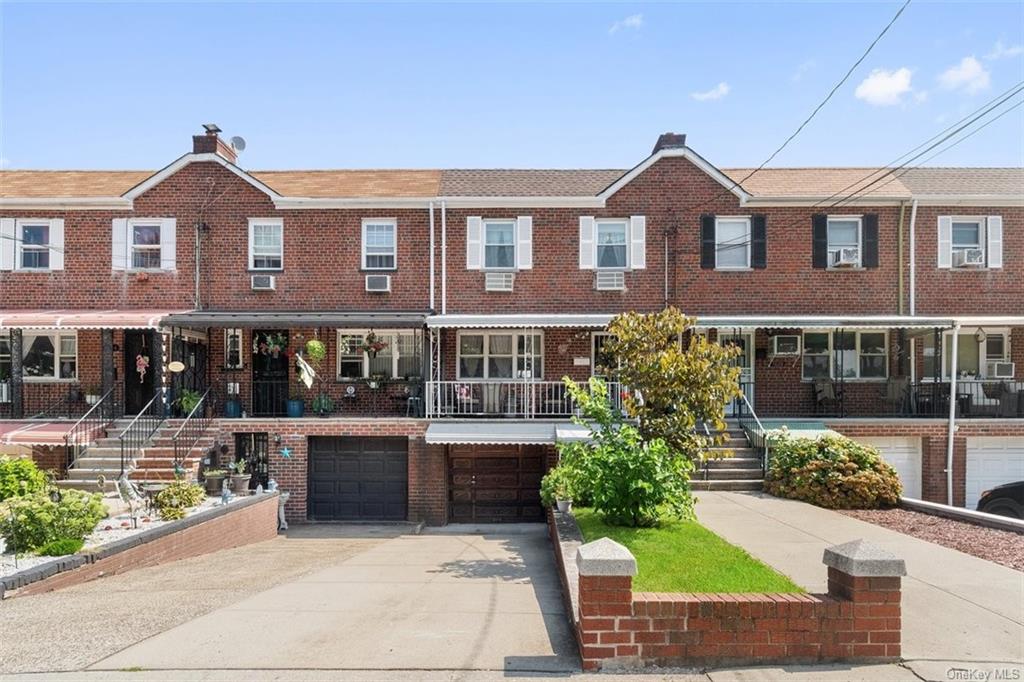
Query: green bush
x=19 y=476
x=35 y=520
x=172 y=501
x=556 y=485
x=60 y=547
x=628 y=481
x=832 y=472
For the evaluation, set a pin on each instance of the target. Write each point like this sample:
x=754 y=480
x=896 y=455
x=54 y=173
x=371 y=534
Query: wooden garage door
x=358 y=479
x=489 y=484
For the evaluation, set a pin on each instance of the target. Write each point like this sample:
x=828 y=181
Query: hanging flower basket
x=269 y=344
x=372 y=344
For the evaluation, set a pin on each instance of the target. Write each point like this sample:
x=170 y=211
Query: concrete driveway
x=959 y=612
x=464 y=601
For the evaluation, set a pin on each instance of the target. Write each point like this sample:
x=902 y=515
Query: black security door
x=270 y=373
x=139 y=383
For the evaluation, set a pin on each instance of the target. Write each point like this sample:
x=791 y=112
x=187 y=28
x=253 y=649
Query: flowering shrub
x=35 y=520
x=172 y=501
x=832 y=472
x=19 y=476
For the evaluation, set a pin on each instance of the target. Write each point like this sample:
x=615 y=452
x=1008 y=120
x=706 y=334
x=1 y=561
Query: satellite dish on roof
x=238 y=143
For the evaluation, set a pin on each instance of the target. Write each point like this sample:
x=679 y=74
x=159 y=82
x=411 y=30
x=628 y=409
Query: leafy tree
x=627 y=479
x=674 y=382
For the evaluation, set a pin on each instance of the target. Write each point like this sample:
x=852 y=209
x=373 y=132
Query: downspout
x=913 y=256
x=952 y=413
x=432 y=283
x=899 y=251
x=444 y=258
x=665 y=256
x=198 y=251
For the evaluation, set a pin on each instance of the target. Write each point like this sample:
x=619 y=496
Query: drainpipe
x=913 y=256
x=665 y=256
x=198 y=250
x=899 y=250
x=432 y=256
x=444 y=258
x=952 y=414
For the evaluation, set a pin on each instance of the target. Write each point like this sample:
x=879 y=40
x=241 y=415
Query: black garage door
x=358 y=479
x=495 y=483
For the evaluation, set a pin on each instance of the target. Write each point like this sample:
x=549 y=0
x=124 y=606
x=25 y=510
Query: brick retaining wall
x=242 y=524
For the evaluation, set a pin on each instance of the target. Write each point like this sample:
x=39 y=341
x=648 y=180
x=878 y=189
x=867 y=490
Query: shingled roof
x=964 y=181
x=526 y=183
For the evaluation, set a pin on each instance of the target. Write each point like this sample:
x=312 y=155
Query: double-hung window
x=499 y=244
x=5 y=368
x=401 y=358
x=968 y=235
x=732 y=243
x=145 y=246
x=35 y=245
x=976 y=357
x=266 y=244
x=501 y=355
x=50 y=357
x=612 y=244
x=846 y=355
x=379 y=244
x=844 y=246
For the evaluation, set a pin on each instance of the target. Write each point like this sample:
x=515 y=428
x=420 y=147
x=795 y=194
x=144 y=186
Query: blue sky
x=334 y=85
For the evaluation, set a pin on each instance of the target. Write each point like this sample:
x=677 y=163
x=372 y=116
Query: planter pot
x=233 y=409
x=240 y=483
x=296 y=408
x=91 y=399
x=564 y=506
x=214 y=484
x=373 y=384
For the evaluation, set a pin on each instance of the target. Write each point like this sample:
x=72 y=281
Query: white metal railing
x=523 y=398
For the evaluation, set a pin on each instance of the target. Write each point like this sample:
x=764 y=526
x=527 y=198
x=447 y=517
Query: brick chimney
x=210 y=143
x=669 y=141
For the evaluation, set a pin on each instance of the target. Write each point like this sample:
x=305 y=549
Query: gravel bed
x=1000 y=546
x=107 y=530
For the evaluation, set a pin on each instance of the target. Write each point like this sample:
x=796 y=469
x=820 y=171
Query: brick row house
x=888 y=306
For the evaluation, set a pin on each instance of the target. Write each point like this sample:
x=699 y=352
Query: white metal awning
x=491 y=433
x=524 y=321
x=852 y=321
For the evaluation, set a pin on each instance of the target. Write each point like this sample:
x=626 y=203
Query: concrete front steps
x=734 y=465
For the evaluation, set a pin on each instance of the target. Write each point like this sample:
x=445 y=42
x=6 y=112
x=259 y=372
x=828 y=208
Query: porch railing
x=508 y=398
x=94 y=422
x=975 y=398
x=755 y=431
x=193 y=428
x=142 y=427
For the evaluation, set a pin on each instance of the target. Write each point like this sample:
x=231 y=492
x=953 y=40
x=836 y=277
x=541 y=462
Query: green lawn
x=684 y=556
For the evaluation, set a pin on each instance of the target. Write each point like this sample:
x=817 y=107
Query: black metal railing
x=142 y=427
x=270 y=397
x=899 y=397
x=757 y=436
x=193 y=428
x=90 y=425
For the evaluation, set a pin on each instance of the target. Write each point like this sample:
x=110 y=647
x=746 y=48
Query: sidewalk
x=958 y=611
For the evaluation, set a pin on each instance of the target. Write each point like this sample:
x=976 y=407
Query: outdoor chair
x=414 y=400
x=897 y=395
x=827 y=399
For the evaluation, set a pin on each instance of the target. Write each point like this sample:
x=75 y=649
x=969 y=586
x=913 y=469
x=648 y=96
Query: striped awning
x=82 y=319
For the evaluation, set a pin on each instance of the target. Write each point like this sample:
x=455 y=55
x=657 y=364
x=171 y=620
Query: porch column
x=156 y=360
x=17 y=376
x=106 y=360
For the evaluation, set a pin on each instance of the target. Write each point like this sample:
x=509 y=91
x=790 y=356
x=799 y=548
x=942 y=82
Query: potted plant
x=372 y=344
x=214 y=479
x=375 y=380
x=240 y=478
x=316 y=354
x=296 y=406
x=233 y=407
x=323 y=405
x=92 y=395
x=187 y=400
x=556 y=489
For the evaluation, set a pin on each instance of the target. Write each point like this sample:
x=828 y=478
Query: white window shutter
x=474 y=242
x=587 y=254
x=7 y=243
x=637 y=242
x=57 y=244
x=168 y=244
x=524 y=245
x=995 y=241
x=119 y=244
x=945 y=242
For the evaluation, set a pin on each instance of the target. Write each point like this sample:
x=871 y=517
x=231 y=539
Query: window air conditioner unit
x=968 y=258
x=846 y=257
x=1000 y=369
x=786 y=345
x=610 y=281
x=499 y=281
x=378 y=283
x=264 y=282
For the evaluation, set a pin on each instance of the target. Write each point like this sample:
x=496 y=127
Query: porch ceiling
x=276 y=319
x=82 y=319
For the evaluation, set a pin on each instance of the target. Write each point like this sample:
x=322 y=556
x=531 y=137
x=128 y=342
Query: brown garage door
x=495 y=483
x=358 y=479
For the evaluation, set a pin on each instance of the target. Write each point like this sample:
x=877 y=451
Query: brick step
x=726 y=453
x=91 y=461
x=164 y=463
x=734 y=463
x=88 y=486
x=741 y=484
x=168 y=441
x=90 y=475
x=730 y=474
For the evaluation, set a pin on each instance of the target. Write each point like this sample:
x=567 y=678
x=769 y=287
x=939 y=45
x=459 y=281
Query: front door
x=745 y=361
x=269 y=373
x=139 y=383
x=192 y=354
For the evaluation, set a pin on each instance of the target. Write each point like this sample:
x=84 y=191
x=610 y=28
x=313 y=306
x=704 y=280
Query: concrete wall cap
x=605 y=557
x=862 y=559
